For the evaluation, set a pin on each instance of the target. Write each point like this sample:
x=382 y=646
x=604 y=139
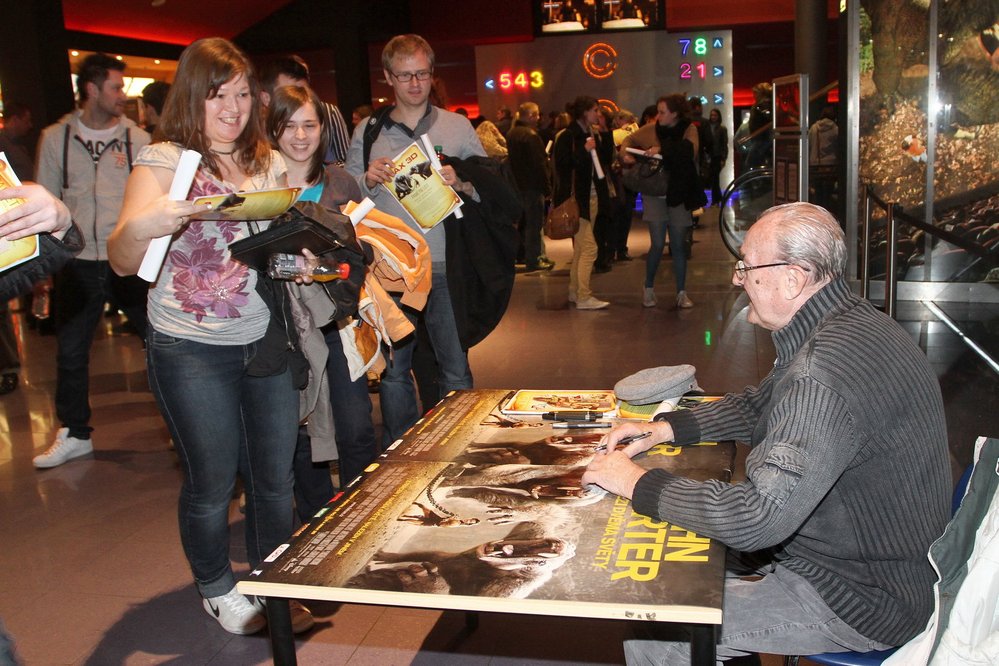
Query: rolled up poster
x=360 y=211
x=152 y=261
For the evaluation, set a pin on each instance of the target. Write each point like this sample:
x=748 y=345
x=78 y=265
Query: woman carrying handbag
x=675 y=140
x=575 y=177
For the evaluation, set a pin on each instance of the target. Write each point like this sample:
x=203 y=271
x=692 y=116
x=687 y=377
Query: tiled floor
x=92 y=567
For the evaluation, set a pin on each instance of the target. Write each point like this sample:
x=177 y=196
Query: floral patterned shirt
x=202 y=294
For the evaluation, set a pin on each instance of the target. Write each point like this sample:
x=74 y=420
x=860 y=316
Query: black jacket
x=52 y=255
x=678 y=155
x=481 y=250
x=527 y=159
x=574 y=167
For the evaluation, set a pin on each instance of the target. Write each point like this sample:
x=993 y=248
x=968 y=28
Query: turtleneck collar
x=833 y=298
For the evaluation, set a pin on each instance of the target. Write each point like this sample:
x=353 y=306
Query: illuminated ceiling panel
x=172 y=22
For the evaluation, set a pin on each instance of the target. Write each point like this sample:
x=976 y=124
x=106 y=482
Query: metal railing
x=742 y=202
x=894 y=215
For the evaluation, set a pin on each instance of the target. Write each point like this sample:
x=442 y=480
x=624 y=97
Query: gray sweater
x=848 y=479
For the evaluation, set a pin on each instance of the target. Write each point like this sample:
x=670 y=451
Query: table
x=478 y=511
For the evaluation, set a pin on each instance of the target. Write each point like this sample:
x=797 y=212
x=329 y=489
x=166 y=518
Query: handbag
x=323 y=232
x=306 y=224
x=562 y=220
x=646 y=176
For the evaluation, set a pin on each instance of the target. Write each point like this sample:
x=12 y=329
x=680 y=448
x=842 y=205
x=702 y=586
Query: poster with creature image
x=420 y=188
x=505 y=520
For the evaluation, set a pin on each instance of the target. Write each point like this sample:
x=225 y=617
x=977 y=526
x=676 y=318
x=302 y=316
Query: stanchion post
x=865 y=269
x=891 y=286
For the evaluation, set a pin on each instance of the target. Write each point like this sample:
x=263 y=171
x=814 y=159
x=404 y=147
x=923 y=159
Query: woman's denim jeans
x=224 y=422
x=677 y=222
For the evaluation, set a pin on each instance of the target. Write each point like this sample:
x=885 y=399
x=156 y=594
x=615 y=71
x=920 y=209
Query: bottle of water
x=282 y=266
x=40 y=303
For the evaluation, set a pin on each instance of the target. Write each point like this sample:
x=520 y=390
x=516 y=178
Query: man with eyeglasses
x=408 y=64
x=848 y=477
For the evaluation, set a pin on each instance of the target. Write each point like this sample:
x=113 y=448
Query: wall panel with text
x=623 y=70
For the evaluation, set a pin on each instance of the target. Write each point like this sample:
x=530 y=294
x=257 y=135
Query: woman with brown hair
x=226 y=395
x=674 y=138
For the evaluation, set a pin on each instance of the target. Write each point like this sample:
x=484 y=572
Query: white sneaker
x=63 y=449
x=649 y=297
x=682 y=301
x=591 y=303
x=235 y=613
x=301 y=617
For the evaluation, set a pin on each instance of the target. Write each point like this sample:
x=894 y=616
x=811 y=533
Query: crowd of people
x=265 y=381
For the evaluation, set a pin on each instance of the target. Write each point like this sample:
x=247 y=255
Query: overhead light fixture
x=156 y=62
x=74 y=53
x=118 y=58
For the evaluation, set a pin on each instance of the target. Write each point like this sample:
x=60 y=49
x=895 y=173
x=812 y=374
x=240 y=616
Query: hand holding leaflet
x=436 y=162
x=152 y=261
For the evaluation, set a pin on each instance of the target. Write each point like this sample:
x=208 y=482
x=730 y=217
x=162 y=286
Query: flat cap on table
x=657 y=384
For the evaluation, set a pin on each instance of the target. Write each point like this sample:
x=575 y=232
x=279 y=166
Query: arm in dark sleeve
x=52 y=255
x=564 y=164
x=787 y=475
x=734 y=417
x=605 y=148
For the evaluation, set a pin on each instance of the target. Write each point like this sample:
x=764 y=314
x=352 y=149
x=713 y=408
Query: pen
x=581 y=424
x=634 y=438
x=572 y=415
x=629 y=439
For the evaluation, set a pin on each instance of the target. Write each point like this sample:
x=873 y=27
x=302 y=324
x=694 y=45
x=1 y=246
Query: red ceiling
x=183 y=21
x=174 y=22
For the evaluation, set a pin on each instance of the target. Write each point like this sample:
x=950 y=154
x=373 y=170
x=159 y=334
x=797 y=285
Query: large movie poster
x=475 y=503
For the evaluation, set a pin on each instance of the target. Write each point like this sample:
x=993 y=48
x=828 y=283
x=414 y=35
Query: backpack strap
x=128 y=147
x=372 y=129
x=65 y=159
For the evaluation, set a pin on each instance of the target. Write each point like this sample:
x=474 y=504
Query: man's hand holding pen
x=612 y=468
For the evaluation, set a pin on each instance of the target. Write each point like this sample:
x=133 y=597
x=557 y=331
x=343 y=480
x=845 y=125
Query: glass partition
x=929 y=132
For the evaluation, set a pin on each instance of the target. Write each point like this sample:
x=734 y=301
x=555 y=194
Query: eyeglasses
x=741 y=268
x=406 y=77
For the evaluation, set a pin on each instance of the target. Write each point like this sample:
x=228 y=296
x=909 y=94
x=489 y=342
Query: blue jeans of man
x=778 y=614
x=223 y=423
x=398 y=390
x=81 y=290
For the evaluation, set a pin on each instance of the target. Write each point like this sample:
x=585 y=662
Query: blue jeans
x=355 y=431
x=677 y=221
x=81 y=290
x=223 y=423
x=398 y=390
x=779 y=614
